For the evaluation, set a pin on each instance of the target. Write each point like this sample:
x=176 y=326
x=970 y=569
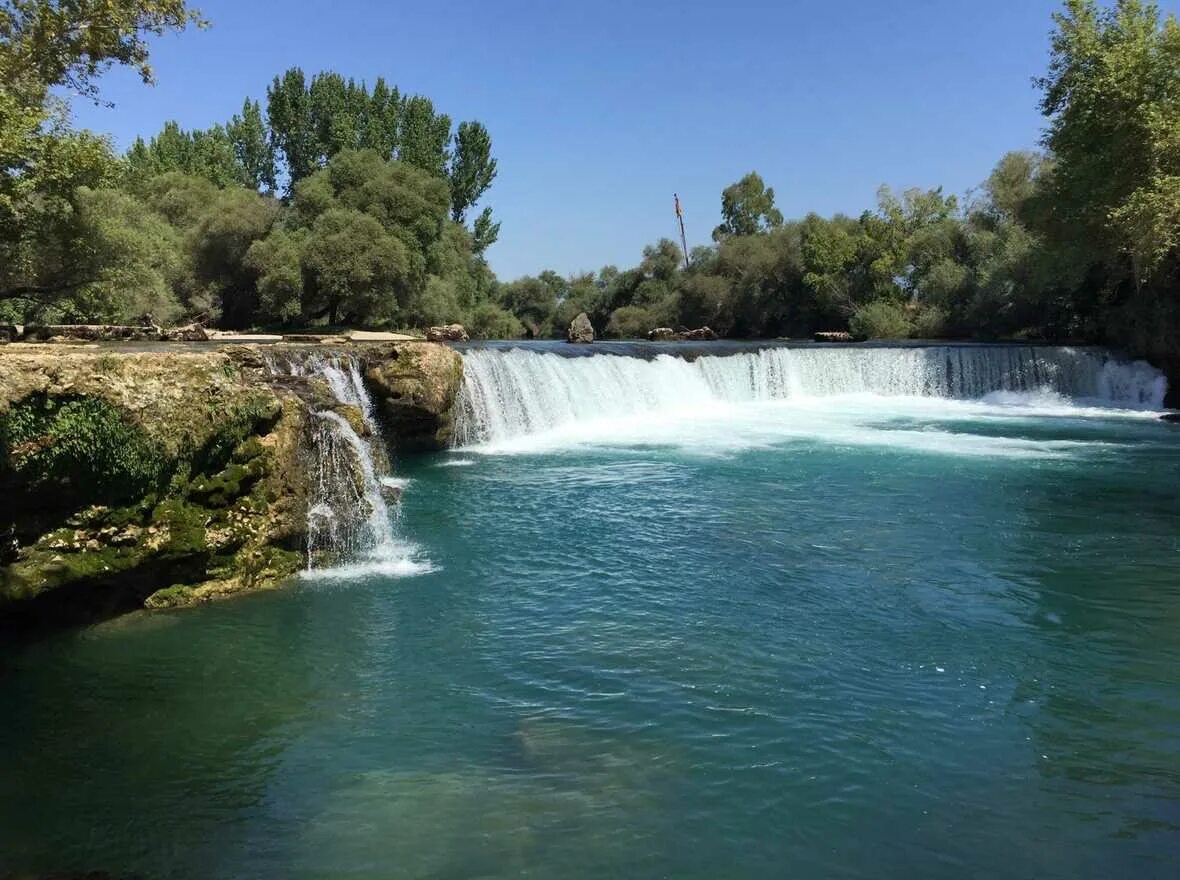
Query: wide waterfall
x=515 y=392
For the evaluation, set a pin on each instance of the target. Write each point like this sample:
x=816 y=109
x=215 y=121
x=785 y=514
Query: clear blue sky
x=599 y=111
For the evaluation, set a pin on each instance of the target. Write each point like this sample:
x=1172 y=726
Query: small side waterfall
x=349 y=523
x=514 y=392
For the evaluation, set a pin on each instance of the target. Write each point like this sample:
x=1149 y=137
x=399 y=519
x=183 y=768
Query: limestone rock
x=187 y=333
x=701 y=334
x=227 y=447
x=580 y=329
x=447 y=333
x=833 y=336
x=415 y=385
x=662 y=334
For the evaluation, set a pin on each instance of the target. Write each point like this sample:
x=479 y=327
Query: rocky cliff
x=160 y=478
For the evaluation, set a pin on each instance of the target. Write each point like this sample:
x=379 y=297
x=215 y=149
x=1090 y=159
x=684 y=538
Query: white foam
x=455 y=462
x=921 y=399
x=399 y=568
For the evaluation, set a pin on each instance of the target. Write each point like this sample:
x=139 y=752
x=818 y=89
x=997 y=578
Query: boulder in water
x=833 y=336
x=701 y=334
x=415 y=385
x=662 y=334
x=447 y=333
x=580 y=329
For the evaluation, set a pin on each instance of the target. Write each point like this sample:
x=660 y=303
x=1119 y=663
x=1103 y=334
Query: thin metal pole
x=683 y=239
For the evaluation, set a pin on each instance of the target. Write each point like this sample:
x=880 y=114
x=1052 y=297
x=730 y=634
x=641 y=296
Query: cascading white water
x=348 y=520
x=507 y=394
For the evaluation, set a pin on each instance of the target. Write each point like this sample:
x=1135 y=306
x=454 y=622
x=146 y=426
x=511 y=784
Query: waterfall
x=509 y=393
x=349 y=523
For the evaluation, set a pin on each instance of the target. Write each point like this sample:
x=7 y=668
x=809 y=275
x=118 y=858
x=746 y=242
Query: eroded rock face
x=580 y=329
x=415 y=385
x=447 y=333
x=122 y=475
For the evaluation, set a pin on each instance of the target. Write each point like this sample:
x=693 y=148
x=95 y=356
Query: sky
x=600 y=111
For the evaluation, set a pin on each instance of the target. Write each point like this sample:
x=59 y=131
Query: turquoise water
x=849 y=637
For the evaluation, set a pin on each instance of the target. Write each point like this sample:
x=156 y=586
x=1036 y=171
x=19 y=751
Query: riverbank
x=154 y=478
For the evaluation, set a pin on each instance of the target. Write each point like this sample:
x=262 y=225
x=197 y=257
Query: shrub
x=489 y=321
x=631 y=322
x=930 y=322
x=880 y=320
x=78 y=448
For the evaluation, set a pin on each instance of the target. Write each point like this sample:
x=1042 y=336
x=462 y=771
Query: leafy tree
x=424 y=136
x=382 y=120
x=632 y=322
x=252 y=149
x=45 y=252
x=212 y=153
x=277 y=262
x=222 y=238
x=48 y=43
x=292 y=131
x=472 y=168
x=484 y=232
x=1112 y=96
x=354 y=269
x=489 y=321
x=533 y=301
x=747 y=207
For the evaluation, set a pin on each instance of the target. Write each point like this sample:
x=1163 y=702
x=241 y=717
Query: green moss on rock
x=178 y=596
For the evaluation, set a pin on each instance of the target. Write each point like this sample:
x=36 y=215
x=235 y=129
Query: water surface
x=857 y=636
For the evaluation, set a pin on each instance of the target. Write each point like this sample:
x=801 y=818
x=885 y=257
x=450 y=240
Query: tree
x=381 y=121
x=276 y=261
x=747 y=207
x=252 y=149
x=44 y=253
x=354 y=269
x=472 y=168
x=484 y=232
x=213 y=154
x=292 y=133
x=223 y=236
x=45 y=44
x=1112 y=96
x=424 y=136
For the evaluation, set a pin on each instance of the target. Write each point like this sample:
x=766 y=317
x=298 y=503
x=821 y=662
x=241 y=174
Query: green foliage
x=77 y=448
x=354 y=268
x=46 y=44
x=489 y=321
x=747 y=207
x=631 y=322
x=880 y=320
x=472 y=168
x=424 y=136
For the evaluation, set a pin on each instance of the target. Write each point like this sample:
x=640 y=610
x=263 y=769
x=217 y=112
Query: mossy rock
x=178 y=596
x=416 y=385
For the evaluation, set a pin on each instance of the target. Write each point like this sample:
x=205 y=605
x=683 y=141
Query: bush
x=930 y=323
x=880 y=320
x=631 y=322
x=489 y=321
x=77 y=449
